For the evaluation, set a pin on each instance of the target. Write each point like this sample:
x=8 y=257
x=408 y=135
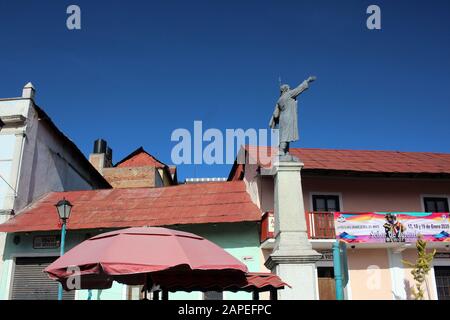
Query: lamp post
x=64 y=207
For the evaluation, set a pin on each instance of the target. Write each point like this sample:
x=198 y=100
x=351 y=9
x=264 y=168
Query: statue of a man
x=285 y=114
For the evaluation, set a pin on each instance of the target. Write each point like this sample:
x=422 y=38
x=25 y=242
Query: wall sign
x=327 y=255
x=46 y=242
x=379 y=227
x=442 y=255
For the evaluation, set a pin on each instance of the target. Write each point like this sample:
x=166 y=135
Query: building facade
x=137 y=170
x=36 y=158
x=362 y=181
x=222 y=212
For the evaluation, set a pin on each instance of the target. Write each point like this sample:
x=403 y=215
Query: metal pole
x=337 y=271
x=61 y=253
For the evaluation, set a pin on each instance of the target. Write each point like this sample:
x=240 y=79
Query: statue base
x=288 y=158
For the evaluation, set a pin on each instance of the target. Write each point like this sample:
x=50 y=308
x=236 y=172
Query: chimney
x=101 y=157
x=28 y=91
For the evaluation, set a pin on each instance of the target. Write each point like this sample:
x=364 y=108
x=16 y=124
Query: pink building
x=361 y=181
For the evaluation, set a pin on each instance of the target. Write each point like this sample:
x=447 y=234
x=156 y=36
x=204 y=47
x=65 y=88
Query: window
x=213 y=295
x=325 y=203
x=434 y=204
x=442 y=275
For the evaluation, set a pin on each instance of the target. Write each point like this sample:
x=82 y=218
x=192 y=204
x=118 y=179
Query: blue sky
x=140 y=69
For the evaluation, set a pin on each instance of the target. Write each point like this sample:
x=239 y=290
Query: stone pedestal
x=293 y=258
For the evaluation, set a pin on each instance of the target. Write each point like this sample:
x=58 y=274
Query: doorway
x=327 y=286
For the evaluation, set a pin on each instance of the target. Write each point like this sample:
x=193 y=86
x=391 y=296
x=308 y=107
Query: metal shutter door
x=31 y=283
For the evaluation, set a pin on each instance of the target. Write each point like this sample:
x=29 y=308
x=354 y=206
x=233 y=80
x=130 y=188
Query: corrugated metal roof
x=359 y=160
x=118 y=208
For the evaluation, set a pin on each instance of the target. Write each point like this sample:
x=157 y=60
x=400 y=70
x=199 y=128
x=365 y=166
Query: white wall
x=34 y=160
x=47 y=165
x=7 y=143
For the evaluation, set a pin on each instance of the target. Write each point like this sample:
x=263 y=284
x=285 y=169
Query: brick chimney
x=101 y=157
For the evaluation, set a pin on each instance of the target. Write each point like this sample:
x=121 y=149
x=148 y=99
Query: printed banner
x=376 y=227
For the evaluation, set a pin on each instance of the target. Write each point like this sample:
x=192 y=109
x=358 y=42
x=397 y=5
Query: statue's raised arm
x=302 y=87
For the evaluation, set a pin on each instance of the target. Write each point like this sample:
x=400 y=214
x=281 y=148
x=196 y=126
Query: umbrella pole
x=273 y=294
x=145 y=288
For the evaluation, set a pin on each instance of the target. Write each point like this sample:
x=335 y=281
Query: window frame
x=424 y=198
x=336 y=196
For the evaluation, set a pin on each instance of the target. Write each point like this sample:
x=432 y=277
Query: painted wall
x=376 y=194
x=239 y=239
x=369 y=274
x=12 y=138
x=48 y=164
x=7 y=146
x=358 y=194
x=13 y=112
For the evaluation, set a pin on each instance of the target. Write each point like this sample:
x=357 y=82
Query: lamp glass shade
x=64 y=207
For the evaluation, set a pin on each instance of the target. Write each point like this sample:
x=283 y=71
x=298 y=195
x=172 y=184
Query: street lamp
x=64 y=207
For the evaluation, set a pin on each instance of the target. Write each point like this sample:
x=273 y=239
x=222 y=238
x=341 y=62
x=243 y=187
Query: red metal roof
x=118 y=208
x=361 y=160
x=140 y=158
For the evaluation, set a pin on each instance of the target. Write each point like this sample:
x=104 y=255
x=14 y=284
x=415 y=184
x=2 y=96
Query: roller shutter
x=31 y=283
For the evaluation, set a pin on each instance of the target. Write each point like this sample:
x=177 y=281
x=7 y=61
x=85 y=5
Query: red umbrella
x=142 y=256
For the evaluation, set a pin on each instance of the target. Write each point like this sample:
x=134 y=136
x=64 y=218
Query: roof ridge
x=137 y=152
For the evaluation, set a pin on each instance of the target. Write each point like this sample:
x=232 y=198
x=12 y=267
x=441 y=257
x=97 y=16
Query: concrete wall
x=48 y=164
x=239 y=239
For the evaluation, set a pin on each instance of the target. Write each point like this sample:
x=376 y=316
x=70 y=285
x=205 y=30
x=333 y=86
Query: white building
x=36 y=157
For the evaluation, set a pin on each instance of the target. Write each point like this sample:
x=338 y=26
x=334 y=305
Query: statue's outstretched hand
x=311 y=79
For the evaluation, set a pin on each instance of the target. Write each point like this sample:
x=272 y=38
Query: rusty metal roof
x=220 y=202
x=369 y=161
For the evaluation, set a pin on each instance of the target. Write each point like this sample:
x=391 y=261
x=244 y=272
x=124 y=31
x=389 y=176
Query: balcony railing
x=320 y=225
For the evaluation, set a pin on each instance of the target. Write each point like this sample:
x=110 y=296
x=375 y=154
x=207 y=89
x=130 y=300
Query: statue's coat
x=287 y=111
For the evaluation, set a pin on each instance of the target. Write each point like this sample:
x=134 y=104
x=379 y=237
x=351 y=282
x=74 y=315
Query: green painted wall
x=239 y=239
